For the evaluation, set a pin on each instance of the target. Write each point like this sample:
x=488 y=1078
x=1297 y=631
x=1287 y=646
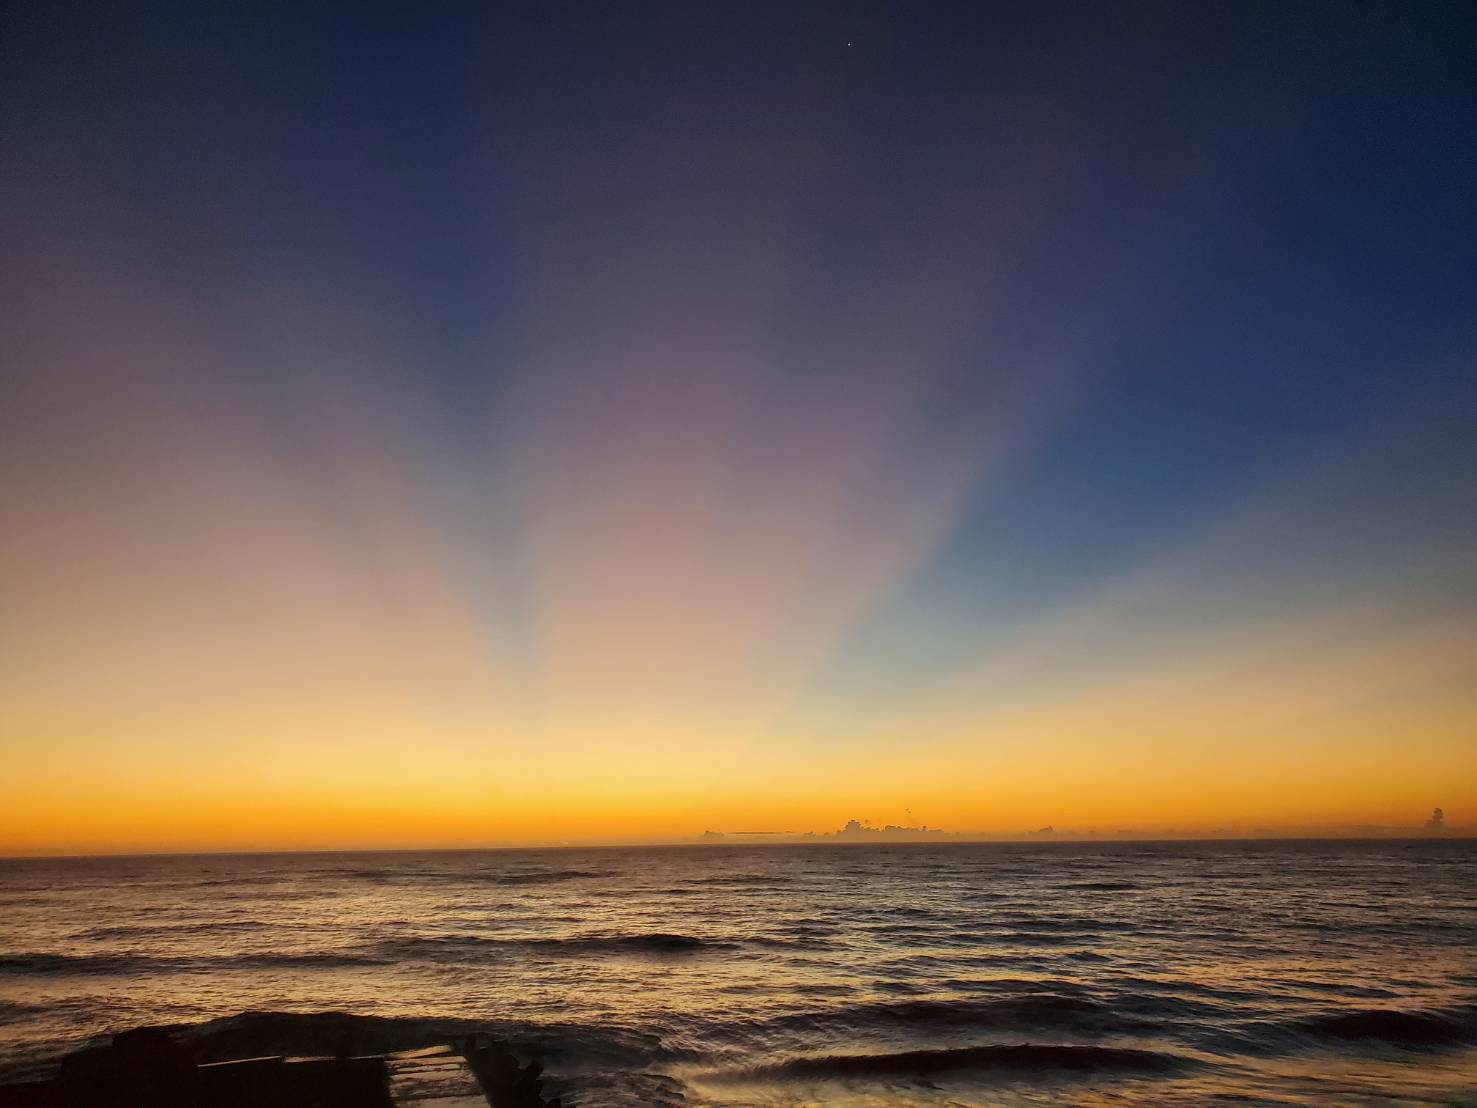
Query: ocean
x=870 y=974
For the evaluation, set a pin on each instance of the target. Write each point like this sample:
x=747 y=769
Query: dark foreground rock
x=147 y=1068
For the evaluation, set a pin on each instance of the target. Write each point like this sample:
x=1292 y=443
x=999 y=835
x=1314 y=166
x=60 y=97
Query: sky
x=451 y=425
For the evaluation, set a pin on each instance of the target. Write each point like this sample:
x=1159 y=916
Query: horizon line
x=824 y=839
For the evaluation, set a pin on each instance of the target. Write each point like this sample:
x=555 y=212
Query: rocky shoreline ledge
x=157 y=1067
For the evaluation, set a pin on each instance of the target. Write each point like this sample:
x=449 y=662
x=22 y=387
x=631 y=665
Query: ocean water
x=958 y=974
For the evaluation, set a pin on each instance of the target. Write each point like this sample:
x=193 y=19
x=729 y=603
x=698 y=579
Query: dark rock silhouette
x=148 y=1068
x=503 y=1081
x=143 y=1067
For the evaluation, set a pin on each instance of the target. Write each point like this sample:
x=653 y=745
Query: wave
x=1027 y=1058
x=440 y=947
x=748 y=879
x=309 y=960
x=781 y=942
x=244 y=880
x=891 y=912
x=1438 y=1027
x=15 y=1011
x=122 y=965
x=1039 y=1011
x=473 y=877
x=1034 y=923
x=437 y=948
x=656 y=942
x=101 y=964
x=808 y=930
x=1169 y=988
x=148 y=931
x=1029 y=938
x=546 y=877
